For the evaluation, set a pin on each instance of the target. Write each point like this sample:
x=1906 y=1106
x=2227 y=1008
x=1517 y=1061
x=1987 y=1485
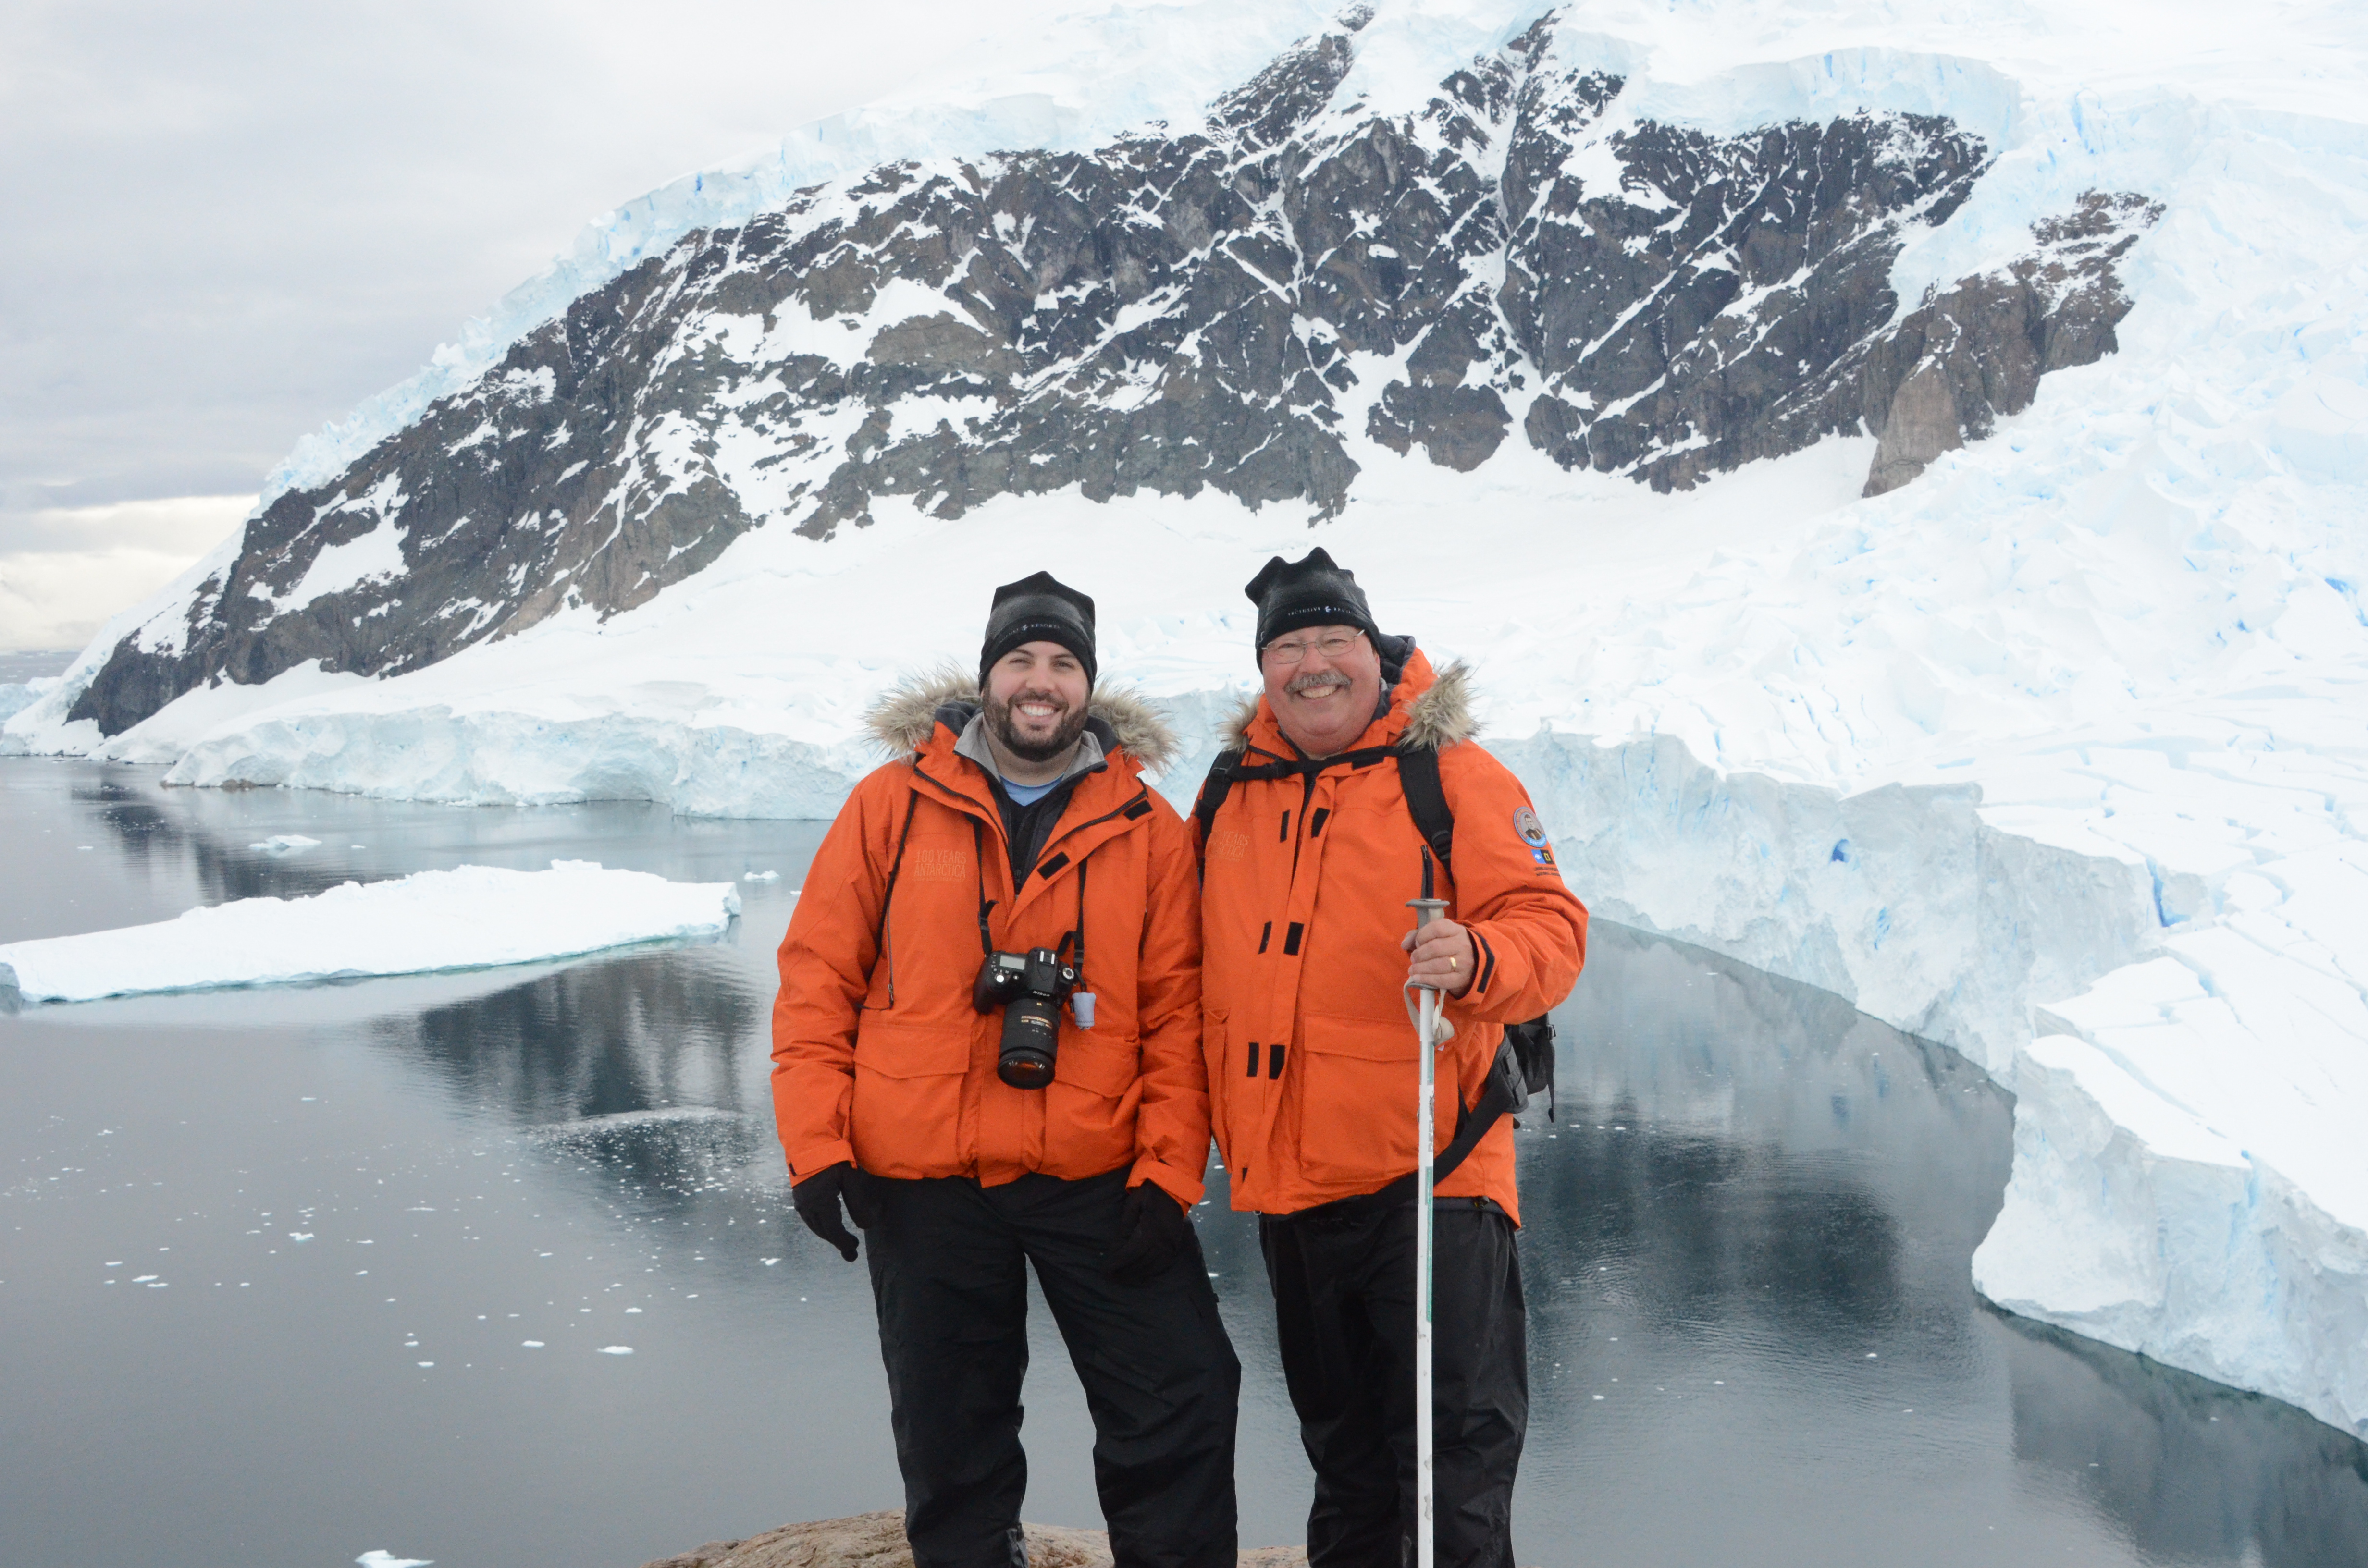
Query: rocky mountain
x=1237 y=305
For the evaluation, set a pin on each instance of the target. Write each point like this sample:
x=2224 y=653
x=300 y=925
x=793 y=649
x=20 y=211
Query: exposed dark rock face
x=1234 y=307
x=1963 y=357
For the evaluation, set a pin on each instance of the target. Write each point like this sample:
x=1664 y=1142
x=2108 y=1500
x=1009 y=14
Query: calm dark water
x=270 y=1260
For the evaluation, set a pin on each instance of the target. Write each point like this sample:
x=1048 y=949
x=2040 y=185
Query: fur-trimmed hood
x=902 y=718
x=1437 y=716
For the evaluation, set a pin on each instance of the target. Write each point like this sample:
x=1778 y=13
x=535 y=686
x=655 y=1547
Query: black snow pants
x=948 y=1260
x=1343 y=1279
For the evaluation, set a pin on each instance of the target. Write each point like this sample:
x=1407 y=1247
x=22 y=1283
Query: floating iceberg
x=470 y=917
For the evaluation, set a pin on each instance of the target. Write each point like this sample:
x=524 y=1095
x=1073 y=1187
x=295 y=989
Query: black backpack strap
x=1504 y=1094
x=1215 y=789
x=1426 y=801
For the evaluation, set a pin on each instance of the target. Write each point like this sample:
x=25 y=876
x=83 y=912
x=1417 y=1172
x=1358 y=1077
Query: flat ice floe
x=470 y=917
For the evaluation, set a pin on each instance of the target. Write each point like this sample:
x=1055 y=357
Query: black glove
x=817 y=1198
x=1152 y=1229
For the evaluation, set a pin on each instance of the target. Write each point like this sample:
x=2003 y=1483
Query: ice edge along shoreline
x=1900 y=900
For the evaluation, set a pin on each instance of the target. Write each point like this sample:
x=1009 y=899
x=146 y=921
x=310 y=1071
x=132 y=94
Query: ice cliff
x=1896 y=470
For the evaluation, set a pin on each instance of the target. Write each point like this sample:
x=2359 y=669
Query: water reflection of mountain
x=195 y=846
x=2198 y=1472
x=154 y=840
x=1706 y=1228
x=1711 y=1140
x=601 y=1041
x=175 y=841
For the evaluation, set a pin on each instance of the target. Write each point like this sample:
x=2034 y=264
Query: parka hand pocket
x=907 y=1116
x=1356 y=1098
x=1092 y=1101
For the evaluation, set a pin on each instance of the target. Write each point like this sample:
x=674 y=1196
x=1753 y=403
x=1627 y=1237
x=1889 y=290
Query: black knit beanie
x=1293 y=595
x=1315 y=591
x=1038 y=609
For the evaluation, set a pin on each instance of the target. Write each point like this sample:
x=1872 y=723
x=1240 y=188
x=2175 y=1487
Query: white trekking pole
x=1426 y=910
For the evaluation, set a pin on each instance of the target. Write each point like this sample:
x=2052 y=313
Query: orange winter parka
x=1311 y=1062
x=878 y=1056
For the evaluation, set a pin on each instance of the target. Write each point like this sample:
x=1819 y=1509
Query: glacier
x=2057 y=754
x=468 y=917
x=18 y=695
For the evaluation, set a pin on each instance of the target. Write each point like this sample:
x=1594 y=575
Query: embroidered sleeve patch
x=1534 y=834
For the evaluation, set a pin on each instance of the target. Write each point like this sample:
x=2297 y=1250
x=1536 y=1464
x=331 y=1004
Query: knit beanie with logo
x=1293 y=595
x=1038 y=609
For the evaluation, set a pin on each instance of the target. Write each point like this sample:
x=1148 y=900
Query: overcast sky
x=229 y=223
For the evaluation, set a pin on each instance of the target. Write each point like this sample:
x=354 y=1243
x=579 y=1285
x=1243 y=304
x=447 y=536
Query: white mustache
x=1315 y=681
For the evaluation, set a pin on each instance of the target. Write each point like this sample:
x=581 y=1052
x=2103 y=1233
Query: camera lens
x=1031 y=1033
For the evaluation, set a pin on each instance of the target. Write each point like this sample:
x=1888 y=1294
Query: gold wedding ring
x=1451 y=964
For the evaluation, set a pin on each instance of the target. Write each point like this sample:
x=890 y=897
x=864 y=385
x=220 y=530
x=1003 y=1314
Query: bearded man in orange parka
x=1310 y=855
x=987 y=1047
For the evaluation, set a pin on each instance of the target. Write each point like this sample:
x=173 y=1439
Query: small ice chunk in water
x=379 y=1557
x=286 y=844
x=616 y=1350
x=531 y=1344
x=760 y=876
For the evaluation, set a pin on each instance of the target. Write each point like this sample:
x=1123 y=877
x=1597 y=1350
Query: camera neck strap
x=888 y=895
x=1075 y=933
x=978 y=859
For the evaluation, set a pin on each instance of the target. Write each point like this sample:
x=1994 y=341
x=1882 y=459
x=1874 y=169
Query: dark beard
x=998 y=719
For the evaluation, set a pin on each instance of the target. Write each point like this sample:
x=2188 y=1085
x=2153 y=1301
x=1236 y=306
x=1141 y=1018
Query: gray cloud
x=230 y=223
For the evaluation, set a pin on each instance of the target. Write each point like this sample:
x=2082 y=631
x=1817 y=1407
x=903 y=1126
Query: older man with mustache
x=1310 y=850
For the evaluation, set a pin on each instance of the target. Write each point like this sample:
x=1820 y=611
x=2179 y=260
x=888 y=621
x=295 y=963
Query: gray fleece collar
x=1087 y=757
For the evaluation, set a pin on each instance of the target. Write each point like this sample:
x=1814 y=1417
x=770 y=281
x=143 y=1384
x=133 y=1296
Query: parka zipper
x=1139 y=797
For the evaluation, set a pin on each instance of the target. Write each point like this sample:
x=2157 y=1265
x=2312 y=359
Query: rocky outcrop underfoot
x=877 y=1540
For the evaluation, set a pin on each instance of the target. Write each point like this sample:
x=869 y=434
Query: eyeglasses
x=1290 y=651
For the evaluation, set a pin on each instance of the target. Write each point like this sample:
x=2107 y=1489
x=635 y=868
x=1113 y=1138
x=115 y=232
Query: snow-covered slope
x=2052 y=752
x=1527 y=257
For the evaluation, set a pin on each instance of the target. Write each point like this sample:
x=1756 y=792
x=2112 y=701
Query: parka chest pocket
x=1355 y=1097
x=905 y=1119
x=935 y=889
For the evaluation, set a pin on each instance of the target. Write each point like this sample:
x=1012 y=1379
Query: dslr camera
x=1030 y=987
